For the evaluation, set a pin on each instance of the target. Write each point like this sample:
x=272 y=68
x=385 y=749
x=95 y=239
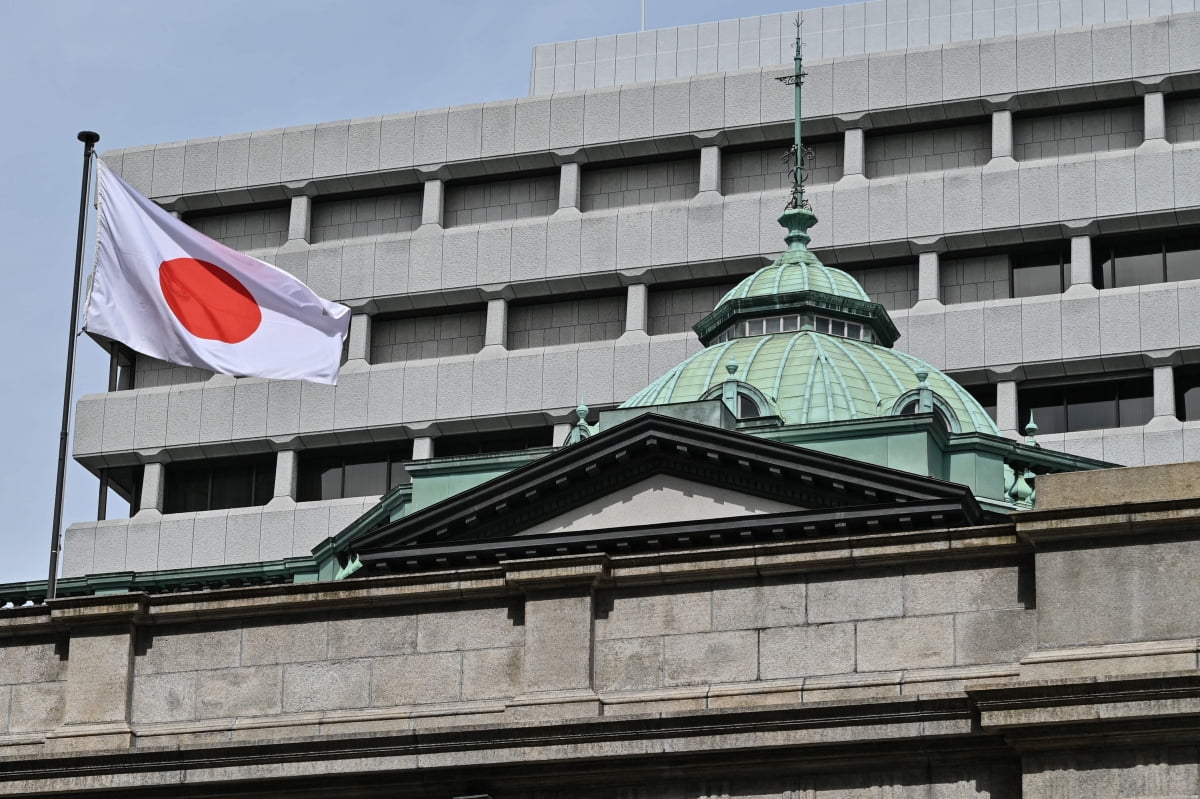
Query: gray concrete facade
x=648 y=195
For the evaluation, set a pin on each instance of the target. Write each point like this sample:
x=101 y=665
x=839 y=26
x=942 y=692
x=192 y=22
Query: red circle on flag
x=208 y=301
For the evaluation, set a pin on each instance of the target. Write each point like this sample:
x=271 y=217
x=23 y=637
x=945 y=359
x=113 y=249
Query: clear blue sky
x=147 y=71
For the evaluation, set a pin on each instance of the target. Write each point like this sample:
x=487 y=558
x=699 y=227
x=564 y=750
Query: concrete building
x=821 y=574
x=1016 y=184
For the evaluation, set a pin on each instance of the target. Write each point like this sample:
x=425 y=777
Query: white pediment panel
x=657 y=500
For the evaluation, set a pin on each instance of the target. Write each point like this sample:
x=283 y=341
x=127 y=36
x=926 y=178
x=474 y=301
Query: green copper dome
x=793 y=274
x=808 y=377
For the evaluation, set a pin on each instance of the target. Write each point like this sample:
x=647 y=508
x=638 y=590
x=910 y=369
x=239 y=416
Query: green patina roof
x=789 y=274
x=814 y=377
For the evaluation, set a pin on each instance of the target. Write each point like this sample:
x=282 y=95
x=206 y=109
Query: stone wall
x=151 y=372
x=415 y=337
x=828 y=626
x=499 y=200
x=340 y=661
x=1083 y=131
x=674 y=309
x=840 y=665
x=765 y=168
x=33 y=684
x=355 y=217
x=928 y=150
x=975 y=278
x=1183 y=118
x=639 y=184
x=892 y=286
x=251 y=229
x=571 y=321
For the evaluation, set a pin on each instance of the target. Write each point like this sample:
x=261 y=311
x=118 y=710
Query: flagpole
x=89 y=140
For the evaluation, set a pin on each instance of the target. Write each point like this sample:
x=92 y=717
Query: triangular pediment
x=661 y=499
x=655 y=475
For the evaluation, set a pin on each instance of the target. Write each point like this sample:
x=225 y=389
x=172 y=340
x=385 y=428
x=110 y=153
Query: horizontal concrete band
x=1068 y=334
x=643 y=119
x=1002 y=202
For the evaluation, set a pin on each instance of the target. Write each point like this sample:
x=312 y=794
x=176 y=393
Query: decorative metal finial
x=797 y=216
x=1031 y=431
x=581 y=430
x=922 y=377
x=798 y=153
x=731 y=368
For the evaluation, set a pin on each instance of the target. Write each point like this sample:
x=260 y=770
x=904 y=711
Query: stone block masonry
x=1071 y=132
x=500 y=200
x=929 y=150
x=639 y=184
x=251 y=229
x=420 y=336
x=356 y=217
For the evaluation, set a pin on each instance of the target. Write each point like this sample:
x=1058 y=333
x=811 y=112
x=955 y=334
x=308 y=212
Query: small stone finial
x=731 y=368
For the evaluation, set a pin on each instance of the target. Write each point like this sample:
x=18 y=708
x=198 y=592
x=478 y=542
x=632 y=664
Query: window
x=1187 y=393
x=747 y=407
x=352 y=472
x=499 y=441
x=1146 y=260
x=1093 y=405
x=1038 y=273
x=914 y=406
x=123 y=483
x=985 y=395
x=790 y=323
x=214 y=485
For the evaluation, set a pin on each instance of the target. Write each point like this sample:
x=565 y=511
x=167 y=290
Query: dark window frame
x=393 y=456
x=1064 y=269
x=176 y=498
x=1105 y=256
x=1122 y=403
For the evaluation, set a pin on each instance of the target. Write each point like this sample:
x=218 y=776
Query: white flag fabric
x=168 y=291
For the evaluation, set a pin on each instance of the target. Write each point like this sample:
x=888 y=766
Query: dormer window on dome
x=792 y=323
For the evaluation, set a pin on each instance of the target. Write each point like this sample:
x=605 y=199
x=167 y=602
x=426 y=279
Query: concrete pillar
x=300 y=218
x=1081 y=261
x=1164 y=391
x=1002 y=137
x=1006 y=408
x=153 y=477
x=561 y=431
x=97 y=704
x=431 y=202
x=558 y=635
x=710 y=168
x=854 y=153
x=422 y=448
x=286 y=469
x=360 y=337
x=1155 y=116
x=569 y=179
x=637 y=308
x=929 y=278
x=496 y=328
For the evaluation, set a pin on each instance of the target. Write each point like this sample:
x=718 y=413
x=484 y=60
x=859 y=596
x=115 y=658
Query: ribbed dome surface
x=814 y=377
x=787 y=275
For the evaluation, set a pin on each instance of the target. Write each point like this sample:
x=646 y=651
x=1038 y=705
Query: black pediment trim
x=765 y=528
x=648 y=445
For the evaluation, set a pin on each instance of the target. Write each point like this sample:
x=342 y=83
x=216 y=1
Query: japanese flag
x=167 y=291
